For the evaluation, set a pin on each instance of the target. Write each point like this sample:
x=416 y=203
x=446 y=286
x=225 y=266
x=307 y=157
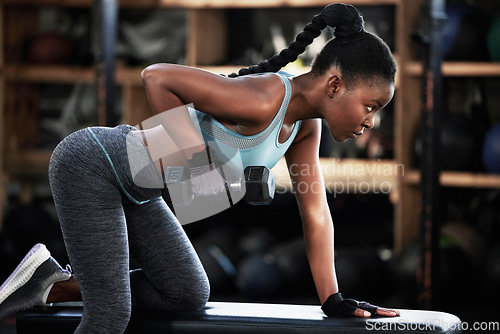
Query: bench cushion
x=226 y=317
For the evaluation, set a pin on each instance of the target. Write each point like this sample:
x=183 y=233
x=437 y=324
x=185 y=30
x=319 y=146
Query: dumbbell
x=176 y=179
x=259 y=184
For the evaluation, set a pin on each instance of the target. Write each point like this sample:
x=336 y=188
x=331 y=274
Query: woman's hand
x=337 y=306
x=206 y=180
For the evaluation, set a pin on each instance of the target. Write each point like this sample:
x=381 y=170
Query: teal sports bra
x=262 y=149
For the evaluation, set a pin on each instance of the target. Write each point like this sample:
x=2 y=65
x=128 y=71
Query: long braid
x=345 y=18
x=290 y=54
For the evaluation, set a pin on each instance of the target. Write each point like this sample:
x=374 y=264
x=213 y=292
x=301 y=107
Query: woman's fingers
x=387 y=312
x=361 y=313
x=380 y=311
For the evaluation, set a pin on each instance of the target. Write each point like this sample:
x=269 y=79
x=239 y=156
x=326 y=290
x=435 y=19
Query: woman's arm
x=303 y=164
x=171 y=111
x=307 y=180
x=248 y=100
x=170 y=87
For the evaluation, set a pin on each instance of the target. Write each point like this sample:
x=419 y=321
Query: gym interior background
x=49 y=88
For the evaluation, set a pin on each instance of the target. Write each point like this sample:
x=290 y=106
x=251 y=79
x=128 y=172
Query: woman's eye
x=370 y=108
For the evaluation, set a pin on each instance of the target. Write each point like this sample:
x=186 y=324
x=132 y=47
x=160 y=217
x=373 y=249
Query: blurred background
x=50 y=67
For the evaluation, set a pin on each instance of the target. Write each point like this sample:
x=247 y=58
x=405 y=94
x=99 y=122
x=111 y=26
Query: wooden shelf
x=48 y=73
x=62 y=3
x=27 y=163
x=249 y=3
x=67 y=74
x=341 y=176
x=460 y=69
x=357 y=174
x=201 y=3
x=350 y=176
x=458 y=179
x=75 y=74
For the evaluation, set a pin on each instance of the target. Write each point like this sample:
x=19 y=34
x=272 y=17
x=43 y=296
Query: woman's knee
x=112 y=319
x=198 y=293
x=204 y=294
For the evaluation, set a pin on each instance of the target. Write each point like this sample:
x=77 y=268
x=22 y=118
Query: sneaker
x=31 y=281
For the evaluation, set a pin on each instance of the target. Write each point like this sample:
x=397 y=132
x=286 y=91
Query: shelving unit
x=408 y=210
x=208 y=32
x=458 y=179
x=206 y=43
x=459 y=69
x=202 y=4
x=3 y=180
x=410 y=194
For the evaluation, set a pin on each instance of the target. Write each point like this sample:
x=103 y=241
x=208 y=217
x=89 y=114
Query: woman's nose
x=369 y=123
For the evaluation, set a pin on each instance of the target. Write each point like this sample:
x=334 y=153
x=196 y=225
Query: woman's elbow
x=153 y=72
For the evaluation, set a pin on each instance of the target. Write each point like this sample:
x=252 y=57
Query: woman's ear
x=334 y=82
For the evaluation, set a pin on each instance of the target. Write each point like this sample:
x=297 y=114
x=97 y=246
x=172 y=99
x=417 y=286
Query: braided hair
x=357 y=53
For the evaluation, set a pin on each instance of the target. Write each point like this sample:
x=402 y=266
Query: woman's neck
x=306 y=94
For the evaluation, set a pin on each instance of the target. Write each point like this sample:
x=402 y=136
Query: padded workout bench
x=224 y=317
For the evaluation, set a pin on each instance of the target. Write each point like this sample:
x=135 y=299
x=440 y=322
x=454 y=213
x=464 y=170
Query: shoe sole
x=29 y=294
x=24 y=271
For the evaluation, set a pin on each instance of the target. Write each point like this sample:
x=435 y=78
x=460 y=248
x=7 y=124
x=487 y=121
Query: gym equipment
x=472 y=243
x=258 y=277
x=492 y=272
x=258 y=183
x=454 y=272
x=460 y=147
x=461 y=140
x=484 y=215
x=257 y=240
x=405 y=272
x=50 y=48
x=147 y=37
x=225 y=317
x=491 y=150
x=282 y=270
x=217 y=254
x=106 y=12
x=494 y=40
x=176 y=179
x=354 y=266
x=465 y=33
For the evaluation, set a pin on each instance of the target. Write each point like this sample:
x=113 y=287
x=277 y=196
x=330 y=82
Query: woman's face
x=349 y=112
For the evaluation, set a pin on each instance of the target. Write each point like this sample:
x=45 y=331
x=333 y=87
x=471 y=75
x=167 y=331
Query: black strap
x=338 y=306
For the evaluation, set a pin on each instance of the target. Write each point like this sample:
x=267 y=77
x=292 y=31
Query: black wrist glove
x=337 y=306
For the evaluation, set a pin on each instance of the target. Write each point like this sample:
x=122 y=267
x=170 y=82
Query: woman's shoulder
x=309 y=128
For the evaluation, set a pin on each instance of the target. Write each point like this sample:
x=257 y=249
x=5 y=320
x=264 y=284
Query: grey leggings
x=107 y=222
